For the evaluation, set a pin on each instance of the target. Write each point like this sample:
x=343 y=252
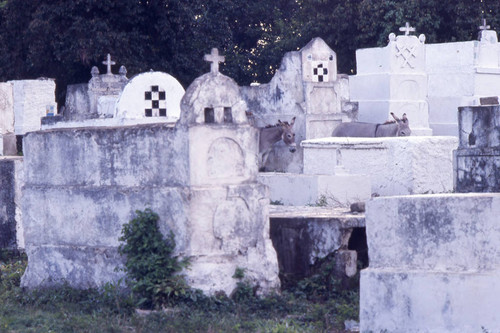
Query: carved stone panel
x=225 y=159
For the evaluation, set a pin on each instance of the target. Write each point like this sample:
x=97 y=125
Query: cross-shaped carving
x=407 y=29
x=108 y=63
x=484 y=26
x=214 y=58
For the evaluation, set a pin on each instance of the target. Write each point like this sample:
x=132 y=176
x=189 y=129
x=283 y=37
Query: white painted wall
x=31 y=98
x=434 y=264
x=396 y=166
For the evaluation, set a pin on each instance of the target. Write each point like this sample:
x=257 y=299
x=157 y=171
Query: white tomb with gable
x=459 y=75
x=393 y=79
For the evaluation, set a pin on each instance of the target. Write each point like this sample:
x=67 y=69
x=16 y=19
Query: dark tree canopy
x=63 y=39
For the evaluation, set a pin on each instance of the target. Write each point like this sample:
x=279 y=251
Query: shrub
x=151 y=267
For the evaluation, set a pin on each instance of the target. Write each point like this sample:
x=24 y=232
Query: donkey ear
x=292 y=122
x=394 y=116
x=279 y=122
x=405 y=119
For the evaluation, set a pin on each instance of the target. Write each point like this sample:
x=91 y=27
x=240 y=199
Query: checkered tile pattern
x=155 y=102
x=320 y=71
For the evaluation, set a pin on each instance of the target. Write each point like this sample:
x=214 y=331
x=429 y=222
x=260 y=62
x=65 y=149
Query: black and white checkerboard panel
x=155 y=102
x=320 y=71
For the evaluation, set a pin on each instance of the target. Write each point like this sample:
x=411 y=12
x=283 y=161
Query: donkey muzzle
x=293 y=148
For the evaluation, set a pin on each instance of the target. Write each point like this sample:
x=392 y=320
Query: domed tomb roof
x=213 y=98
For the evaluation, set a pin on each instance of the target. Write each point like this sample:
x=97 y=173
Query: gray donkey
x=271 y=134
x=397 y=127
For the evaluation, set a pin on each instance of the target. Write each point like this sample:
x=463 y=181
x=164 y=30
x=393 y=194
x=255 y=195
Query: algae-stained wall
x=7 y=204
x=82 y=185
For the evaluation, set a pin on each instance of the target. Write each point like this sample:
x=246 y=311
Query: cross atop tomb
x=407 y=29
x=214 y=58
x=108 y=63
x=484 y=26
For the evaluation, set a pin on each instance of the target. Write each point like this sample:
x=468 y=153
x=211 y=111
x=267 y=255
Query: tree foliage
x=63 y=39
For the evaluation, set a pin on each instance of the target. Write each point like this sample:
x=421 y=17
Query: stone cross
x=407 y=29
x=108 y=63
x=484 y=26
x=214 y=58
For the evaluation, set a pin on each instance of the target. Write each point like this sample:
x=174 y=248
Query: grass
x=312 y=305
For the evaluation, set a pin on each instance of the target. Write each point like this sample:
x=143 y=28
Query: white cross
x=407 y=29
x=214 y=58
x=108 y=62
x=484 y=26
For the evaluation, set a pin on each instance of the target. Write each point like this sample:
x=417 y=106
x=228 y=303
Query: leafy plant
x=152 y=268
x=244 y=290
x=12 y=266
x=322 y=201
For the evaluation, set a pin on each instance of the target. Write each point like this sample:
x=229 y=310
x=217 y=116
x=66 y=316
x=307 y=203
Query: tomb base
x=397 y=166
x=477 y=170
x=301 y=189
x=434 y=264
x=477 y=159
x=398 y=300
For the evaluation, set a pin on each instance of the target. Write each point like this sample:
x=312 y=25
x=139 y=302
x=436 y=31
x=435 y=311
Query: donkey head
x=403 y=125
x=288 y=135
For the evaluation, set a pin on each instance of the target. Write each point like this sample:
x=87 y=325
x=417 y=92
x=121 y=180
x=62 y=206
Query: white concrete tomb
x=396 y=166
x=393 y=79
x=434 y=264
x=150 y=94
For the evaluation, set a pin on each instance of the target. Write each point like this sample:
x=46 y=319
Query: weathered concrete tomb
x=395 y=166
x=306 y=86
x=477 y=159
x=95 y=99
x=434 y=264
x=22 y=104
x=199 y=175
x=11 y=235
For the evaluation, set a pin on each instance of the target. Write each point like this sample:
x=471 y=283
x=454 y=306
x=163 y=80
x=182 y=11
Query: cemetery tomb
x=434 y=258
x=434 y=263
x=395 y=166
x=104 y=89
x=306 y=86
x=87 y=103
x=393 y=79
x=200 y=178
x=477 y=159
x=460 y=74
x=150 y=94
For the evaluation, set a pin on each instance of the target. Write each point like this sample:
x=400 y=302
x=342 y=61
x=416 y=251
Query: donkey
x=396 y=127
x=271 y=134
